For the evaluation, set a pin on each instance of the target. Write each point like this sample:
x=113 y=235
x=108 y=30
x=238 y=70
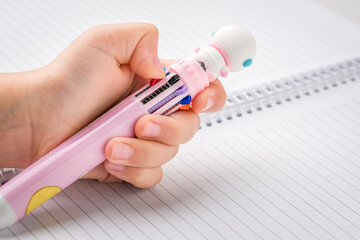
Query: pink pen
x=232 y=48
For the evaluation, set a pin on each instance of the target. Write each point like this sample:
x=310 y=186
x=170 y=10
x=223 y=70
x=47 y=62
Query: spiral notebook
x=280 y=161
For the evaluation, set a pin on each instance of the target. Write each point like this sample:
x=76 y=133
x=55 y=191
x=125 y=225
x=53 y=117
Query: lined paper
x=294 y=176
x=289 y=172
x=291 y=37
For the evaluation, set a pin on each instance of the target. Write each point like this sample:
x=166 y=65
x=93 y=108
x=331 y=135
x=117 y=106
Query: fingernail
x=121 y=151
x=158 y=65
x=209 y=103
x=151 y=129
x=116 y=167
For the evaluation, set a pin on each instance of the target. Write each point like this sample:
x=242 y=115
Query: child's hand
x=100 y=68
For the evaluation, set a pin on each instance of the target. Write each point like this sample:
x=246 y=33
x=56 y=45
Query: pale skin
x=40 y=109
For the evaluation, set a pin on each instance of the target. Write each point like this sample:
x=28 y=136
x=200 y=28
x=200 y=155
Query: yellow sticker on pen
x=41 y=196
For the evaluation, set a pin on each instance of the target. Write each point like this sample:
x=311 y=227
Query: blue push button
x=166 y=73
x=185 y=100
x=247 y=62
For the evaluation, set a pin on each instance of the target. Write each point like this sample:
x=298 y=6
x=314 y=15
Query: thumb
x=144 y=60
x=135 y=44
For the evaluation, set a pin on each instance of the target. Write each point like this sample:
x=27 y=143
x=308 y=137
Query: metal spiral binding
x=249 y=101
x=8 y=173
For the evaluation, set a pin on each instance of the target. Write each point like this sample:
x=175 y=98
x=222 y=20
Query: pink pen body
x=85 y=150
x=71 y=159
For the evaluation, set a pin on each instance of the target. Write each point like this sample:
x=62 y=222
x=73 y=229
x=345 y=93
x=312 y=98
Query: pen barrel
x=85 y=150
x=70 y=160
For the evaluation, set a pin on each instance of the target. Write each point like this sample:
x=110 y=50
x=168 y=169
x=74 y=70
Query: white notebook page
x=290 y=172
x=291 y=36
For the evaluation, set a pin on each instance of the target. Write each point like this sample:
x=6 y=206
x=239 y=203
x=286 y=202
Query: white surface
x=347 y=8
x=291 y=36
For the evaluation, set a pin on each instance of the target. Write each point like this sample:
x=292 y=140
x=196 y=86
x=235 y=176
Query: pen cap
x=236 y=44
x=232 y=48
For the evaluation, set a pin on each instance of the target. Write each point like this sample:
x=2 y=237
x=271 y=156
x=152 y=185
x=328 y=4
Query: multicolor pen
x=232 y=48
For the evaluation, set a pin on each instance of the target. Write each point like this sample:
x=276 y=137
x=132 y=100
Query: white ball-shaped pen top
x=238 y=44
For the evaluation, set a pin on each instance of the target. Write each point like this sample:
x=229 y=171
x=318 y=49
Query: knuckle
x=141 y=179
x=176 y=150
x=93 y=34
x=95 y=30
x=111 y=179
x=172 y=153
x=151 y=28
x=159 y=177
x=192 y=131
x=197 y=122
x=148 y=178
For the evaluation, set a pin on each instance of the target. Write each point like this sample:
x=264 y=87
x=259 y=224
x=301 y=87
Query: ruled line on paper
x=331 y=150
x=331 y=117
x=164 y=218
x=59 y=223
x=325 y=123
x=327 y=193
x=318 y=162
x=50 y=224
x=334 y=140
x=322 y=165
x=256 y=219
x=201 y=204
x=134 y=207
x=313 y=182
x=118 y=210
x=19 y=228
x=271 y=202
x=351 y=108
x=71 y=217
x=98 y=208
x=84 y=212
x=294 y=181
x=8 y=234
x=175 y=212
x=199 y=187
x=345 y=116
x=286 y=187
x=270 y=188
x=113 y=198
x=186 y=206
x=37 y=219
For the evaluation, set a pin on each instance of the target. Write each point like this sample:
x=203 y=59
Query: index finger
x=166 y=62
x=211 y=99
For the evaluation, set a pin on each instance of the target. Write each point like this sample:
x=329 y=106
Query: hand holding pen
x=88 y=77
x=101 y=67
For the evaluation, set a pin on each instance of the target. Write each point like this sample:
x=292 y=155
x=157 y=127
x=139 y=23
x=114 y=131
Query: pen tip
x=7 y=214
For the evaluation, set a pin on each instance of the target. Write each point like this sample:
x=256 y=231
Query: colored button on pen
x=181 y=90
x=185 y=107
x=186 y=103
x=185 y=100
x=154 y=81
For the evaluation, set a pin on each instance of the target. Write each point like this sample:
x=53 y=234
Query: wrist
x=17 y=94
